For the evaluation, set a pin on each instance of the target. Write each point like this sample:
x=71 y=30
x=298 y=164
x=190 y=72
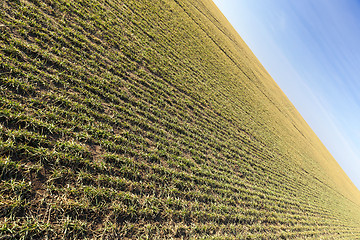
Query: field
x=152 y=119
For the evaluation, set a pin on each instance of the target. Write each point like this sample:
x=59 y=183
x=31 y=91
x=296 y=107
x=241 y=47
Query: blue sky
x=312 y=50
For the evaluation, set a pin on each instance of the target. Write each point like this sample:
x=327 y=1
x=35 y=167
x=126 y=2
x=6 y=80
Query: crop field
x=152 y=119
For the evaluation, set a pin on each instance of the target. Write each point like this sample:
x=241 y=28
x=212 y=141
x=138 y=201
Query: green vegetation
x=153 y=120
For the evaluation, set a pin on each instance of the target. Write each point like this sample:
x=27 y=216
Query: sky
x=311 y=48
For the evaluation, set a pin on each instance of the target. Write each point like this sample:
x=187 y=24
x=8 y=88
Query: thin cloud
x=311 y=49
